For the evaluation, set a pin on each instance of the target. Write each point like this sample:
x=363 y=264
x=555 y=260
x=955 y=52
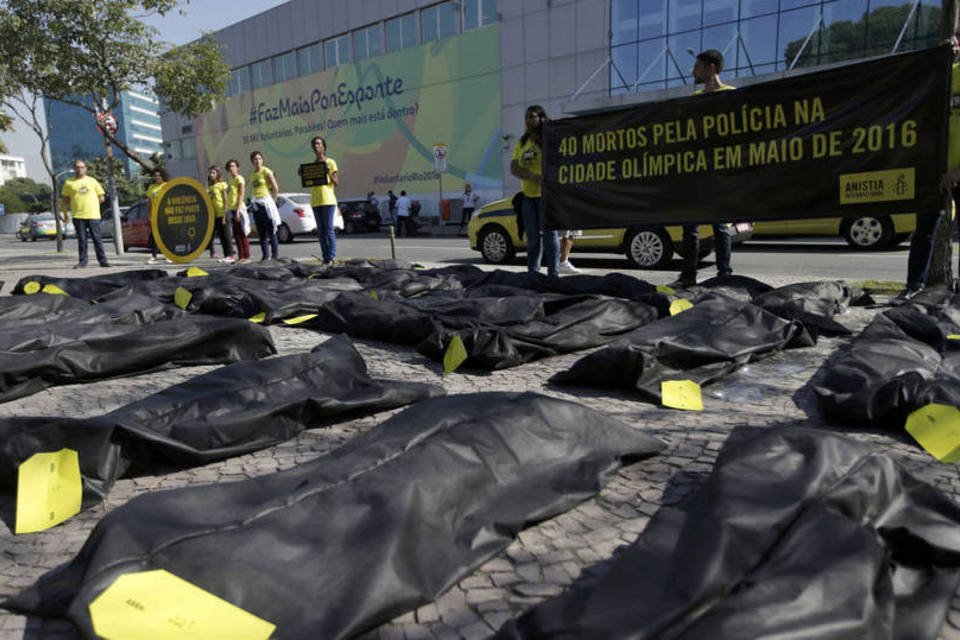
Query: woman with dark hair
x=263 y=190
x=236 y=212
x=324 y=202
x=526 y=165
x=160 y=177
x=217 y=190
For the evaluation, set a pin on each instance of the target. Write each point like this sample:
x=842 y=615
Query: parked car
x=135 y=225
x=42 y=225
x=493 y=232
x=106 y=220
x=860 y=232
x=359 y=215
x=296 y=216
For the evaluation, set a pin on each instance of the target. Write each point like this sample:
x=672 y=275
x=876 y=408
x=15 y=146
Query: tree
x=25 y=195
x=873 y=34
x=129 y=191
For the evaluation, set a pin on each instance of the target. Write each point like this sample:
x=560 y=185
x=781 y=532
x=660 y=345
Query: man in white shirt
x=470 y=202
x=403 y=214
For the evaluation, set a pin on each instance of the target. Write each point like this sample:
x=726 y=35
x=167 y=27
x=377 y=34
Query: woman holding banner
x=526 y=165
x=263 y=190
x=324 y=201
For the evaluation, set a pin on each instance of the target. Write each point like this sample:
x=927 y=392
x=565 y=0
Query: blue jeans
x=325 y=231
x=91 y=228
x=265 y=231
x=540 y=243
x=691 y=250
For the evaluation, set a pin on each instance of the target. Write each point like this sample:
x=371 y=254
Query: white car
x=296 y=216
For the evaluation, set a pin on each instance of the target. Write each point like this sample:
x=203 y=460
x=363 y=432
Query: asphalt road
x=814 y=258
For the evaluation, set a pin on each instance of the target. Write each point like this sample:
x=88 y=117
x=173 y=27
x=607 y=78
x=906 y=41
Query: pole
x=114 y=203
x=54 y=198
x=440 y=199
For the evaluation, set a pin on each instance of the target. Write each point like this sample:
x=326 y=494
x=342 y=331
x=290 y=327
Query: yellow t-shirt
x=218 y=197
x=324 y=195
x=260 y=182
x=153 y=190
x=233 y=192
x=84 y=194
x=529 y=156
x=953 y=123
x=722 y=87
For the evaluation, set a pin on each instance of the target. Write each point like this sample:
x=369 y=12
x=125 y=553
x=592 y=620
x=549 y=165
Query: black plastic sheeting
x=797 y=534
x=232 y=410
x=379 y=526
x=902 y=361
x=713 y=338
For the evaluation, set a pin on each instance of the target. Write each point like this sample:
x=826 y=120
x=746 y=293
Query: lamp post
x=53 y=205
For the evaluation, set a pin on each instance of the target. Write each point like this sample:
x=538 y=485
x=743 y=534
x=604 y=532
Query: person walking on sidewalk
x=403 y=215
x=160 y=177
x=470 y=202
x=217 y=190
x=237 y=212
x=82 y=195
x=263 y=190
x=706 y=71
x=526 y=165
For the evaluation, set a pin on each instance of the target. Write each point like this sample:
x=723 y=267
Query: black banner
x=864 y=138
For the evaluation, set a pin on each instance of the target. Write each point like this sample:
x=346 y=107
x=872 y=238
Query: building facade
x=386 y=81
x=74 y=134
x=12 y=167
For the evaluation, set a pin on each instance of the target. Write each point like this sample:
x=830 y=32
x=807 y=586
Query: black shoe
x=682 y=283
x=105 y=265
x=80 y=265
x=906 y=295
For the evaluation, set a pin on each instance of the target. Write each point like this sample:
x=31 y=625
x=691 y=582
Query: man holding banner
x=706 y=71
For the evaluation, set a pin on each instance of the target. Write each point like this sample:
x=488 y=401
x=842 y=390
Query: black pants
x=465 y=217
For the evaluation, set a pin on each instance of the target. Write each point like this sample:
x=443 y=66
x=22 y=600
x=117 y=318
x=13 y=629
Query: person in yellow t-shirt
x=82 y=196
x=924 y=235
x=706 y=71
x=236 y=210
x=160 y=178
x=526 y=164
x=263 y=190
x=324 y=201
x=217 y=190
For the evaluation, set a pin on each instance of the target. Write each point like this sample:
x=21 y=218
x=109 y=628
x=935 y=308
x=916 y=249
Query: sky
x=188 y=22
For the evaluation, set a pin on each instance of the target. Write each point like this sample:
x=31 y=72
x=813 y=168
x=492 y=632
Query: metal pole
x=54 y=197
x=393 y=241
x=440 y=200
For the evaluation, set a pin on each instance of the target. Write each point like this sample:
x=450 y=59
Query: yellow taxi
x=493 y=232
x=860 y=232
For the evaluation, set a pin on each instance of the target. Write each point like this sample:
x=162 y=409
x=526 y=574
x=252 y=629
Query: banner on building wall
x=864 y=138
x=379 y=118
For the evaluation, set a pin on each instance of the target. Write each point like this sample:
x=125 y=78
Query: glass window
x=402 y=32
x=310 y=59
x=471 y=14
x=722 y=38
x=338 y=50
x=344 y=50
x=368 y=42
x=428 y=24
x=680 y=65
x=684 y=16
x=625 y=59
x=447 y=19
x=845 y=34
x=651 y=61
x=720 y=11
x=284 y=67
x=794 y=27
x=240 y=81
x=760 y=40
x=330 y=53
x=360 y=44
x=624 y=21
x=488 y=12
x=261 y=74
x=793 y=4
x=394 y=35
x=652 y=18
x=409 y=23
x=757 y=8
x=189 y=148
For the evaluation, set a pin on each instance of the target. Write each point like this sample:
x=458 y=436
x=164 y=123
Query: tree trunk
x=941 y=269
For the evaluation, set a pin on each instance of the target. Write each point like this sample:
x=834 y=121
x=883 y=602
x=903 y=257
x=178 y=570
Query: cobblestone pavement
x=546 y=558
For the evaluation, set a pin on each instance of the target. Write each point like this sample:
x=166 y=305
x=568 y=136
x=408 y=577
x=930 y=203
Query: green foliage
x=873 y=34
x=86 y=53
x=20 y=195
x=129 y=191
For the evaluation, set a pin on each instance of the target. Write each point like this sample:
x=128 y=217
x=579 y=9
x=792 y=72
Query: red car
x=135 y=223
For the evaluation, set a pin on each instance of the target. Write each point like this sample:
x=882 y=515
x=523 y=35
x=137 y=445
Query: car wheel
x=649 y=248
x=349 y=227
x=283 y=234
x=496 y=247
x=867 y=232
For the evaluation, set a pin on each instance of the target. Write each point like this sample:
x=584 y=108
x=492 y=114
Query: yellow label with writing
x=49 y=490
x=681 y=394
x=53 y=289
x=157 y=604
x=936 y=427
x=454 y=356
x=196 y=272
x=679 y=305
x=300 y=319
x=259 y=318
x=31 y=287
x=877 y=186
x=182 y=297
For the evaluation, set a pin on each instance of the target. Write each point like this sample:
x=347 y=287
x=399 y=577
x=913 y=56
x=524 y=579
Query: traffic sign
x=440 y=157
x=107 y=122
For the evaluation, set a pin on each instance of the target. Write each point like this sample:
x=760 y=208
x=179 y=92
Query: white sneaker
x=152 y=261
x=169 y=261
x=567 y=268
